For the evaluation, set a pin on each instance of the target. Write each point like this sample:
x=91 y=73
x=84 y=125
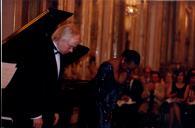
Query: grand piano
x=73 y=92
x=39 y=28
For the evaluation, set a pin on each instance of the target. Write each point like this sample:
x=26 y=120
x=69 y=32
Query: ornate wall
x=162 y=31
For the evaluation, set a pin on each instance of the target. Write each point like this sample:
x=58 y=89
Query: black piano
x=73 y=92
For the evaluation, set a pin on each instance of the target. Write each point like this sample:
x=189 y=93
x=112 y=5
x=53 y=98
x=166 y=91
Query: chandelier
x=131 y=7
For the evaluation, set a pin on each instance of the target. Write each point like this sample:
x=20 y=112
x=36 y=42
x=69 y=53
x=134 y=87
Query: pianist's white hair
x=65 y=31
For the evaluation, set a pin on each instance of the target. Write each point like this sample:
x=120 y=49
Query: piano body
x=17 y=44
x=40 y=28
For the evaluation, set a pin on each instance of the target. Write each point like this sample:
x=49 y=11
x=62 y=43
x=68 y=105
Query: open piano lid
x=41 y=27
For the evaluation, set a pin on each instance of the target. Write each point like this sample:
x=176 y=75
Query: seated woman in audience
x=190 y=89
x=168 y=81
x=190 y=98
x=177 y=99
x=153 y=95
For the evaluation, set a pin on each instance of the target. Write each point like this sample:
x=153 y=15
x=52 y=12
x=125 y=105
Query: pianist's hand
x=37 y=123
x=56 y=118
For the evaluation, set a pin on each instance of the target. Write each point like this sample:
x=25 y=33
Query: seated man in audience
x=126 y=114
x=153 y=95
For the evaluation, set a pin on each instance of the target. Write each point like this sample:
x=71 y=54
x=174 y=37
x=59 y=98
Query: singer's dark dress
x=108 y=91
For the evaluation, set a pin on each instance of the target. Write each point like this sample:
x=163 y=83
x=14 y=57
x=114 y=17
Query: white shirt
x=57 y=56
x=131 y=83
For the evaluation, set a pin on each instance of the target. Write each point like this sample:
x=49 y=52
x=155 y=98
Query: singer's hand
x=37 y=123
x=56 y=118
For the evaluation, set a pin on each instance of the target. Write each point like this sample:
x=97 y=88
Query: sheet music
x=122 y=102
x=8 y=70
x=191 y=103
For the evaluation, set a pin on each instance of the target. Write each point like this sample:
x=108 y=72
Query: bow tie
x=56 y=52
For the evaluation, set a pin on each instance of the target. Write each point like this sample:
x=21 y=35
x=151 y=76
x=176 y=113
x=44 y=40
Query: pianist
x=35 y=85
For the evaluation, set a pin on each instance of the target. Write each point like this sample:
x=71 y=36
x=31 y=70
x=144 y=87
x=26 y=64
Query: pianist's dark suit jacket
x=34 y=88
